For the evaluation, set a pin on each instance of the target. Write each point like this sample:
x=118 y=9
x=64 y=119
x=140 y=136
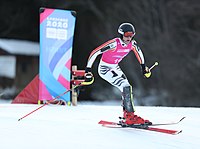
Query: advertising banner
x=56 y=41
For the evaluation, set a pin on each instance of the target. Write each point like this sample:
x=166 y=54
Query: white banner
x=8 y=66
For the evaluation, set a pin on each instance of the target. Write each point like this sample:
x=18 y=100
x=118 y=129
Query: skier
x=113 y=51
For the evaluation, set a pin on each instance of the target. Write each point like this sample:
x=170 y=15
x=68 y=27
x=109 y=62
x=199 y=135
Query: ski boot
x=132 y=119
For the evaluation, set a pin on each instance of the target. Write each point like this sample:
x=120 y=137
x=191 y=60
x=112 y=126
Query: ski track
x=64 y=127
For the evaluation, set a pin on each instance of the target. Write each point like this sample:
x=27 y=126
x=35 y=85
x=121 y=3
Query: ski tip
x=178 y=132
x=107 y=122
x=100 y=122
x=182 y=118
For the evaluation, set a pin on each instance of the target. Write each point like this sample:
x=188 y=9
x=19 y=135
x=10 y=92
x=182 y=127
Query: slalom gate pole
x=48 y=103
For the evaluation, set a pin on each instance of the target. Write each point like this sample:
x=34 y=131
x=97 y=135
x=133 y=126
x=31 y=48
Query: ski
x=148 y=128
x=170 y=123
x=143 y=126
x=156 y=124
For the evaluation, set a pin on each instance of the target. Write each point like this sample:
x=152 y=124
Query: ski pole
x=147 y=75
x=48 y=103
x=155 y=64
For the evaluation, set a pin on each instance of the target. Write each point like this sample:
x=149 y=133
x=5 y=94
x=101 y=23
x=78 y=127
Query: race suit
x=113 y=51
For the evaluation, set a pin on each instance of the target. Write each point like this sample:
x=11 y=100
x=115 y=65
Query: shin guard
x=127 y=97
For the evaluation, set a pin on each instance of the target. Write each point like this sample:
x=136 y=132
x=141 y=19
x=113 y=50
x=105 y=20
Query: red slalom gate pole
x=47 y=103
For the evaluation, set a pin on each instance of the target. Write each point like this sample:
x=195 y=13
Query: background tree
x=168 y=31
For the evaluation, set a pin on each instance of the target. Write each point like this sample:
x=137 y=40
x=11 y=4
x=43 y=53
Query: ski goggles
x=128 y=34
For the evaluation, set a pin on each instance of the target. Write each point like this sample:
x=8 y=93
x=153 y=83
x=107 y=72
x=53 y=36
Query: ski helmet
x=126 y=29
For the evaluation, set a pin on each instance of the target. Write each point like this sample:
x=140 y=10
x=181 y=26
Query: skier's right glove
x=89 y=79
x=145 y=70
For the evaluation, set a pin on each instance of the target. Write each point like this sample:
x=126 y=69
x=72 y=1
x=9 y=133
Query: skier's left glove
x=89 y=79
x=145 y=70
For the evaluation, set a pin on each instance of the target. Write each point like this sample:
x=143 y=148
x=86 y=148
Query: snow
x=65 y=127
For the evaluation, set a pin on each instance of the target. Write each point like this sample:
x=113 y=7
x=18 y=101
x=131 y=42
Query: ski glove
x=89 y=79
x=145 y=70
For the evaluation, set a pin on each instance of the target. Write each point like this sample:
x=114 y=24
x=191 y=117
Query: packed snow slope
x=69 y=127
